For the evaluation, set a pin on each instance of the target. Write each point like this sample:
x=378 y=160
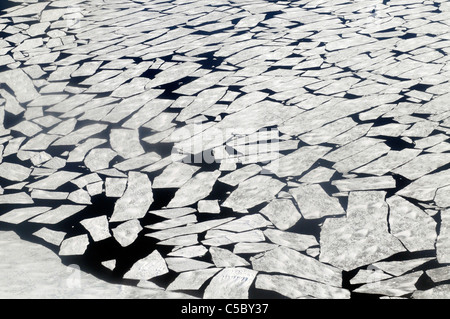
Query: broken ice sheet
x=252 y=248
x=175 y=175
x=282 y=213
x=147 y=268
x=297 y=288
x=136 y=200
x=97 y=227
x=362 y=237
x=252 y=192
x=413 y=227
x=314 y=202
x=195 y=189
x=192 y=280
x=318 y=175
x=80 y=196
x=74 y=245
x=287 y=261
x=230 y=283
x=394 y=287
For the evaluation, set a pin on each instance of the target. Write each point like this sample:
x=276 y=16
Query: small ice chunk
x=147 y=268
x=138 y=162
x=97 y=227
x=365 y=183
x=231 y=238
x=172 y=212
x=185 y=240
x=41 y=194
x=110 y=264
x=74 y=246
x=126 y=233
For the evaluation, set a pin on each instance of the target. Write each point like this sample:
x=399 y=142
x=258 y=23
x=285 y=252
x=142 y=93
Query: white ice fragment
x=51 y=236
x=230 y=283
x=127 y=232
x=195 y=189
x=136 y=200
x=149 y=267
x=314 y=202
x=97 y=227
x=19 y=215
x=74 y=245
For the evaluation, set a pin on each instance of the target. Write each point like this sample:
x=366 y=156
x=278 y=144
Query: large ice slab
x=147 y=268
x=362 y=237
